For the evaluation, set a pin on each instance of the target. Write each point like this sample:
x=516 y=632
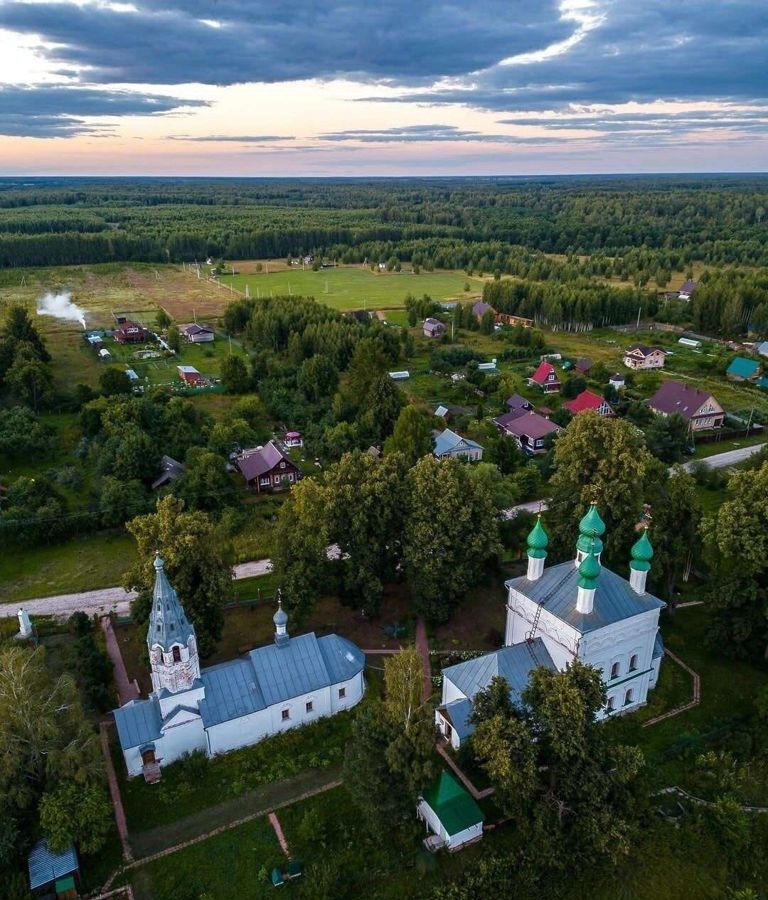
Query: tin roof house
x=699 y=408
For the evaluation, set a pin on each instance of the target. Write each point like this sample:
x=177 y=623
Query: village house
x=448 y=444
x=480 y=308
x=697 y=407
x=293 y=439
x=638 y=356
x=545 y=377
x=587 y=400
x=529 y=430
x=617 y=381
x=578 y=609
x=267 y=468
x=433 y=328
x=518 y=403
x=197 y=334
x=170 y=470
x=286 y=684
x=190 y=376
x=743 y=369
x=762 y=348
x=583 y=365
x=130 y=333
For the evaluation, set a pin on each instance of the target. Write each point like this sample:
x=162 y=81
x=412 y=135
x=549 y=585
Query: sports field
x=355 y=287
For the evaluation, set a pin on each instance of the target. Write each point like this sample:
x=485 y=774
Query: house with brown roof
x=529 y=430
x=267 y=468
x=197 y=334
x=433 y=328
x=638 y=356
x=481 y=308
x=583 y=365
x=697 y=407
x=545 y=377
x=130 y=333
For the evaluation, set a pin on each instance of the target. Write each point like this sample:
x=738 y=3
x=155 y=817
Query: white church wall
x=297 y=710
x=191 y=698
x=133 y=761
x=237 y=733
x=451 y=692
x=181 y=740
x=354 y=689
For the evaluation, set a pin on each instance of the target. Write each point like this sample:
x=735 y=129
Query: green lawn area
x=355 y=287
x=82 y=564
x=726 y=444
x=728 y=690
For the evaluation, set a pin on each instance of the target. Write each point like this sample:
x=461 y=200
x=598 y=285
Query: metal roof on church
x=614 y=599
x=513 y=663
x=290 y=669
x=138 y=722
x=231 y=691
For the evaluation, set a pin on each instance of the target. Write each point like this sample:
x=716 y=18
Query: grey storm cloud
x=689 y=50
x=235 y=41
x=61 y=110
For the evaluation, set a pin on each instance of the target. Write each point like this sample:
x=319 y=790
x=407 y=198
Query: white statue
x=25 y=624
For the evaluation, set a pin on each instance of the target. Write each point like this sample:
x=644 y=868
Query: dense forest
x=639 y=228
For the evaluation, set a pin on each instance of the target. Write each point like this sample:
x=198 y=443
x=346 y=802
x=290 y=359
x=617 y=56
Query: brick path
x=694 y=701
x=478 y=795
x=275 y=823
x=126 y=689
x=114 y=792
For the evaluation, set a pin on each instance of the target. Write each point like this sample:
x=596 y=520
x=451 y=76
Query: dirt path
x=422 y=645
x=114 y=792
x=270 y=796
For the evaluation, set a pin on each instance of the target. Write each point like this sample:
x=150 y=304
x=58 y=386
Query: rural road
x=729 y=458
x=115 y=599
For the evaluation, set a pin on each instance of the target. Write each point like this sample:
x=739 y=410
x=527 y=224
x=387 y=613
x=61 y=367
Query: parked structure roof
x=453 y=805
x=45 y=866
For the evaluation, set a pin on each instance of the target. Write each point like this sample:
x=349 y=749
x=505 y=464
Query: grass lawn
x=83 y=564
x=355 y=287
x=728 y=690
x=726 y=444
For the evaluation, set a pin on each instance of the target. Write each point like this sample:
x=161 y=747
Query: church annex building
x=292 y=682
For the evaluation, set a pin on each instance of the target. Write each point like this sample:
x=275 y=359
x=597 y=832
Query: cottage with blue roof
x=448 y=444
x=575 y=610
x=291 y=682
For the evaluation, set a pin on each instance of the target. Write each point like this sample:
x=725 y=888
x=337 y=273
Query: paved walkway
x=114 y=793
x=275 y=823
x=126 y=689
x=727 y=458
x=695 y=698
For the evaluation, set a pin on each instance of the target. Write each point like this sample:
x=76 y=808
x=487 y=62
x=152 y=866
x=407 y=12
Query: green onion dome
x=592 y=523
x=537 y=541
x=589 y=571
x=642 y=553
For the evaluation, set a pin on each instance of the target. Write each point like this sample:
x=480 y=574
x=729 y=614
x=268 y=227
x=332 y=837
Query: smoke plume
x=61 y=307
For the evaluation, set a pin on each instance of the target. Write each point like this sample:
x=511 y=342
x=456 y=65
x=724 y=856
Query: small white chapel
x=578 y=609
x=291 y=682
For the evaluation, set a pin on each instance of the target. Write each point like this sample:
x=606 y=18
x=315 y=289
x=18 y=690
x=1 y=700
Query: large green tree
x=197 y=561
x=451 y=533
x=605 y=460
x=411 y=436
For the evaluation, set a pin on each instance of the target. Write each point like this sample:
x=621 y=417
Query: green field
x=354 y=287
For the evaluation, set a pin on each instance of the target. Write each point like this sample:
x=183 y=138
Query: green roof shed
x=453 y=805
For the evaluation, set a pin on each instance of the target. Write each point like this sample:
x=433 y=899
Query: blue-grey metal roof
x=290 y=669
x=511 y=663
x=231 y=691
x=46 y=866
x=168 y=623
x=448 y=441
x=459 y=712
x=343 y=660
x=138 y=722
x=658 y=646
x=614 y=598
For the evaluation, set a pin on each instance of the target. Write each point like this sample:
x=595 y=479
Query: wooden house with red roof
x=545 y=377
x=587 y=400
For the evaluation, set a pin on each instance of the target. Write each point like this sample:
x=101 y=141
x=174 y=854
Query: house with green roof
x=742 y=369
x=450 y=814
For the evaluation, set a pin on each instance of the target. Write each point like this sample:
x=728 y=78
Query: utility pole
x=749 y=423
x=639 y=310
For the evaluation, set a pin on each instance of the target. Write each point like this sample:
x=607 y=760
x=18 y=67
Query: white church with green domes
x=575 y=610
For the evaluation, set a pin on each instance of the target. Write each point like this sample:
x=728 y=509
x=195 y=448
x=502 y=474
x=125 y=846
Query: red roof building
x=130 y=333
x=191 y=376
x=546 y=378
x=587 y=400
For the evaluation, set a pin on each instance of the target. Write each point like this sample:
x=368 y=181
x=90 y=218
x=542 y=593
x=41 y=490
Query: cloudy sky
x=267 y=87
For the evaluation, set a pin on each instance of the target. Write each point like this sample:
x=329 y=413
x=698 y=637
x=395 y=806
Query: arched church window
x=615 y=670
x=633 y=662
x=628 y=697
x=176 y=654
x=610 y=705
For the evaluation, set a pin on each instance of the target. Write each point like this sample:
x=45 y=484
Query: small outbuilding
x=51 y=872
x=433 y=328
x=742 y=369
x=293 y=439
x=197 y=334
x=450 y=814
x=189 y=375
x=617 y=381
